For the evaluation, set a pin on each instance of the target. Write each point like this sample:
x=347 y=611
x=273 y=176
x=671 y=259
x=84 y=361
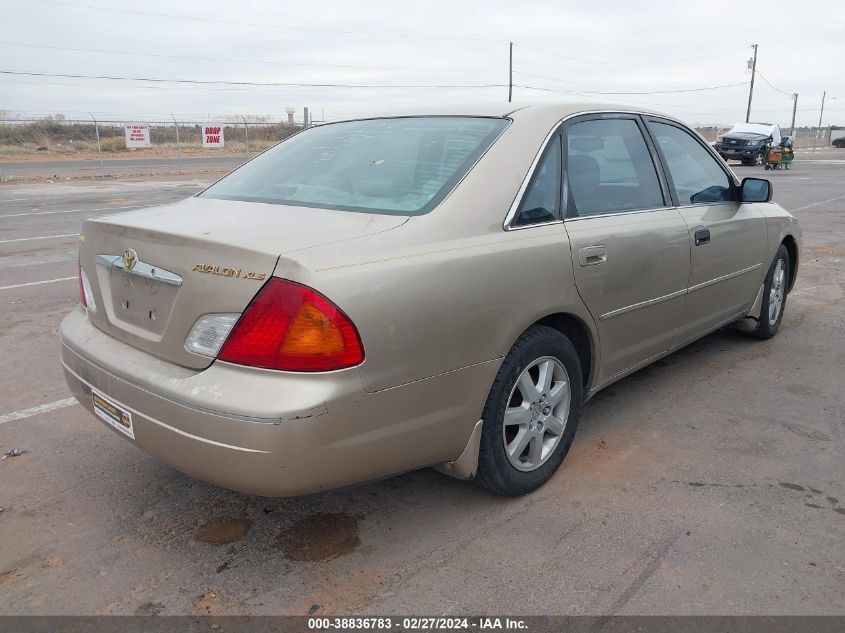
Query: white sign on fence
x=212 y=135
x=137 y=134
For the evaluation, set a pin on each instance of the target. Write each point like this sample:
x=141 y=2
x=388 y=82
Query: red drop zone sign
x=212 y=136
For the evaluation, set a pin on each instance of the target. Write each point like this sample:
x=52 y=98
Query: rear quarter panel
x=781 y=224
x=452 y=304
x=451 y=288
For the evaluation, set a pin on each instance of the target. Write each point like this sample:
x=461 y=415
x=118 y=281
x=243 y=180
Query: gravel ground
x=708 y=483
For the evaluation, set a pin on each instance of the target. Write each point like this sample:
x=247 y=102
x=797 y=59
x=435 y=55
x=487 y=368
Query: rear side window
x=610 y=168
x=697 y=176
x=400 y=166
x=542 y=198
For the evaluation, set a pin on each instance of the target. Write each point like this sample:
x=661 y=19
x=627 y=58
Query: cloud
x=577 y=47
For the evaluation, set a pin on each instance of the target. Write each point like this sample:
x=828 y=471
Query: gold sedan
x=444 y=288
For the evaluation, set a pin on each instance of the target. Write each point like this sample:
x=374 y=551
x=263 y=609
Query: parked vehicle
x=439 y=289
x=748 y=142
x=838 y=142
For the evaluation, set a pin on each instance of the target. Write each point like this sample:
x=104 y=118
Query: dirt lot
x=712 y=482
x=121 y=166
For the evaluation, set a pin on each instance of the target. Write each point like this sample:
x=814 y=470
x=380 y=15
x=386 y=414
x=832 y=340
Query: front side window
x=697 y=176
x=609 y=167
x=399 y=166
x=542 y=198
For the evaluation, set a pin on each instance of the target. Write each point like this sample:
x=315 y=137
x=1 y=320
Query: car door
x=630 y=247
x=727 y=239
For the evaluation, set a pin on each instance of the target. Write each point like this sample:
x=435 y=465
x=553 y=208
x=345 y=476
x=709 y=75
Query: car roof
x=504 y=109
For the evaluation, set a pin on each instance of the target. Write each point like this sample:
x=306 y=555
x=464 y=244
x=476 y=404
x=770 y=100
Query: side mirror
x=755 y=190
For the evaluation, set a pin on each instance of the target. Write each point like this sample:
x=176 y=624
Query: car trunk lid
x=155 y=271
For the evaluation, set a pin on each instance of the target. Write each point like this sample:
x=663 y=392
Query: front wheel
x=531 y=414
x=774 y=296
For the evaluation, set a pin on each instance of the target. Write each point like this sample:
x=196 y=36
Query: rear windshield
x=401 y=166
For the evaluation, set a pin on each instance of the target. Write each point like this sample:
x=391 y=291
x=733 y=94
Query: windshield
x=752 y=128
x=401 y=166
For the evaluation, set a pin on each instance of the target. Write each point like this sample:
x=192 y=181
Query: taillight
x=81 y=287
x=86 y=295
x=291 y=327
x=210 y=332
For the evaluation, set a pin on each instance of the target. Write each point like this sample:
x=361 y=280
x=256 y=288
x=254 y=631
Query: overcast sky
x=563 y=47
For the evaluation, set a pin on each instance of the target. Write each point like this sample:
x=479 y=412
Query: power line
x=203 y=88
x=268 y=26
x=763 y=77
x=243 y=83
x=242 y=61
x=595 y=62
x=348 y=85
x=648 y=92
x=159 y=86
x=568 y=81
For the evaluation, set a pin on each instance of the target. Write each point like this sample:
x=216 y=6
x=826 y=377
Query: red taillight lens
x=294 y=328
x=81 y=287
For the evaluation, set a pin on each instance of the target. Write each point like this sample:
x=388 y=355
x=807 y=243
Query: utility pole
x=178 y=146
x=100 y=149
x=751 y=88
x=510 y=71
x=821 y=114
x=794 y=108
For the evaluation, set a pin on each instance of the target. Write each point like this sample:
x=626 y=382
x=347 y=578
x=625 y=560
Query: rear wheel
x=531 y=413
x=774 y=296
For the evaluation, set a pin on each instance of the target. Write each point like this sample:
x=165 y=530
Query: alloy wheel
x=536 y=414
x=776 y=291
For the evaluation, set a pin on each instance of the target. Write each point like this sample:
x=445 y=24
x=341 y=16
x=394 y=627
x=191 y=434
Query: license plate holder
x=112 y=413
x=142 y=303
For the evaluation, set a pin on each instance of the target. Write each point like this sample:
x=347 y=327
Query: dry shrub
x=113 y=144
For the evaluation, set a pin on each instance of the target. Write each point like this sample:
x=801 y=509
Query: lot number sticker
x=112 y=413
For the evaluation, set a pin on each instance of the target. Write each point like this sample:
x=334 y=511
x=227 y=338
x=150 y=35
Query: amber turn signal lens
x=312 y=333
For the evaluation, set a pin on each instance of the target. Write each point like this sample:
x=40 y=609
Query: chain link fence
x=57 y=147
x=30 y=147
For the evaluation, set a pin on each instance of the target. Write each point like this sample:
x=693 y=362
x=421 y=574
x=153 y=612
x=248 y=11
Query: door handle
x=592 y=255
x=702 y=236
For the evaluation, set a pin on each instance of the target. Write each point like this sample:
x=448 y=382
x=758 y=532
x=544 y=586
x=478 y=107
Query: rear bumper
x=275 y=433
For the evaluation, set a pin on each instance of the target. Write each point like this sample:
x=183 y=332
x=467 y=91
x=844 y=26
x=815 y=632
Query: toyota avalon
x=443 y=288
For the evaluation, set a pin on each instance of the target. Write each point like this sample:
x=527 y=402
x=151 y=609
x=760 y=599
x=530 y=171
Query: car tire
x=546 y=423
x=774 y=296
